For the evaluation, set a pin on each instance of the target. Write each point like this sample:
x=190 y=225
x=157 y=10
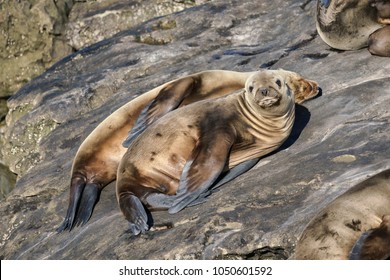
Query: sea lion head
x=273 y=91
x=302 y=88
x=268 y=92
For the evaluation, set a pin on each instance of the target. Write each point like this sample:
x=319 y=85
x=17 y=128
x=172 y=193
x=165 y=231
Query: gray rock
x=33 y=37
x=7 y=181
x=93 y=21
x=30 y=39
x=339 y=138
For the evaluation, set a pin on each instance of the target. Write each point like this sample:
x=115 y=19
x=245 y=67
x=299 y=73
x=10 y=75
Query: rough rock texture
x=93 y=21
x=30 y=39
x=36 y=34
x=339 y=139
x=7 y=181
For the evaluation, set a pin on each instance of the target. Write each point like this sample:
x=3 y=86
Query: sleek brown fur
x=334 y=230
x=347 y=24
x=96 y=162
x=176 y=160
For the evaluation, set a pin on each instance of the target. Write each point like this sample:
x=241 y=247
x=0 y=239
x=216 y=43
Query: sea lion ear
x=168 y=99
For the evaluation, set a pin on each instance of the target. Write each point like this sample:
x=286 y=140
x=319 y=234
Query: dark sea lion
x=347 y=24
x=179 y=157
x=355 y=225
x=379 y=42
x=96 y=161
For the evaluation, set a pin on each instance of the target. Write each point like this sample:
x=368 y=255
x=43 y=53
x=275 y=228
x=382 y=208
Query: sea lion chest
x=157 y=157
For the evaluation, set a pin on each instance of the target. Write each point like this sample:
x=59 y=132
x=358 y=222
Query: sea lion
x=347 y=24
x=335 y=229
x=179 y=157
x=97 y=159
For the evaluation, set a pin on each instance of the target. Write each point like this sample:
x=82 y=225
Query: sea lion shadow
x=302 y=117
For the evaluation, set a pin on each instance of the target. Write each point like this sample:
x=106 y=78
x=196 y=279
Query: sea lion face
x=302 y=88
x=273 y=89
x=268 y=91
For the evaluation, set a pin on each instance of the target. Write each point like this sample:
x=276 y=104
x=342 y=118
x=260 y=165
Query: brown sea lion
x=178 y=158
x=347 y=24
x=333 y=232
x=96 y=161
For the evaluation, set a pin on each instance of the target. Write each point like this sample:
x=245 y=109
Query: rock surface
x=93 y=21
x=339 y=138
x=36 y=34
x=30 y=39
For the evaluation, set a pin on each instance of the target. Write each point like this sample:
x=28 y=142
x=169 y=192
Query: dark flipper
x=83 y=198
x=235 y=172
x=134 y=211
x=200 y=172
x=168 y=99
x=164 y=201
x=160 y=200
x=88 y=201
x=227 y=177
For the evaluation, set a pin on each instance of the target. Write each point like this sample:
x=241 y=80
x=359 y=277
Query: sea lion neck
x=258 y=119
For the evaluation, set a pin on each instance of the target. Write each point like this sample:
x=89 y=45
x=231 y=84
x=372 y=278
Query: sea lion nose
x=264 y=91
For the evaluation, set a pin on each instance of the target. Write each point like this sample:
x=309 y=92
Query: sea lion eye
x=264 y=91
x=279 y=83
x=250 y=89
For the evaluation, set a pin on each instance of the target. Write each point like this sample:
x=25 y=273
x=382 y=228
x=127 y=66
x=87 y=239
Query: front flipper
x=134 y=211
x=83 y=198
x=168 y=99
x=207 y=163
x=235 y=172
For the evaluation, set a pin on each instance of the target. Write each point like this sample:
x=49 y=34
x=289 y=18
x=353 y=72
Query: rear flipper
x=83 y=198
x=168 y=99
x=134 y=211
x=165 y=201
x=207 y=163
